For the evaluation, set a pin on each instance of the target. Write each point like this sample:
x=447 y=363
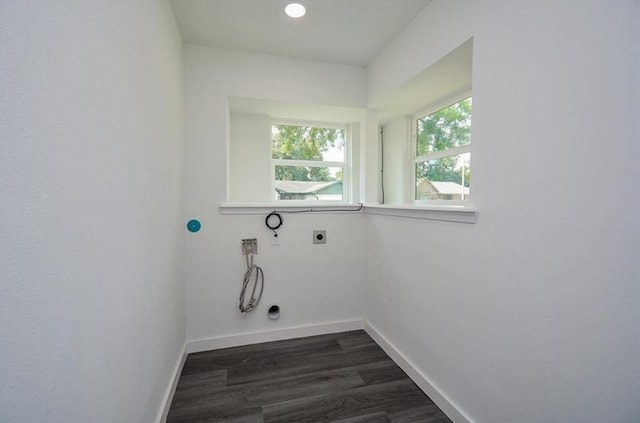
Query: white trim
x=347 y=193
x=345 y=165
x=440 y=104
x=409 y=170
x=274 y=194
x=455 y=151
x=452 y=410
x=448 y=213
x=228 y=341
x=171 y=389
x=287 y=205
x=307 y=163
x=309 y=123
x=461 y=212
x=413 y=142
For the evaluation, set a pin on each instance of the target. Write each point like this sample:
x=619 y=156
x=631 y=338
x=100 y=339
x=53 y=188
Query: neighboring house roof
x=302 y=187
x=449 y=188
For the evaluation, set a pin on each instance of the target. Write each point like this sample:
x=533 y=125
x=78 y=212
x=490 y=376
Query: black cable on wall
x=274 y=219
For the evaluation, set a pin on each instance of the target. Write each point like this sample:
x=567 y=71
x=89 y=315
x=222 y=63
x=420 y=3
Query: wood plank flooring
x=337 y=378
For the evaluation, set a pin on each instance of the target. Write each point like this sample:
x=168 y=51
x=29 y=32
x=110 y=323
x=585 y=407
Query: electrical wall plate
x=320 y=237
x=250 y=246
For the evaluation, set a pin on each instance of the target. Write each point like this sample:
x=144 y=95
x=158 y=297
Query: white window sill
x=466 y=213
x=291 y=206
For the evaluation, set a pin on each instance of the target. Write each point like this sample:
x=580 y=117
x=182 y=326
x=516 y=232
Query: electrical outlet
x=319 y=237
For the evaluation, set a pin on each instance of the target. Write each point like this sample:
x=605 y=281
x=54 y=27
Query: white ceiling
x=339 y=31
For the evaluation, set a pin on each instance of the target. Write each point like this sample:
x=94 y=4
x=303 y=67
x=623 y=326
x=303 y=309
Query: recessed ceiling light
x=295 y=10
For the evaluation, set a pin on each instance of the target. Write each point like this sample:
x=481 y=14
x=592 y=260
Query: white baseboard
x=171 y=389
x=271 y=335
x=450 y=409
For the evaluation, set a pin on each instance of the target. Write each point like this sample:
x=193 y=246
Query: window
x=309 y=162
x=442 y=154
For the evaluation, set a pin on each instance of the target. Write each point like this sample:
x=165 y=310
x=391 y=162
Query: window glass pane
x=447 y=178
x=447 y=128
x=308 y=183
x=307 y=143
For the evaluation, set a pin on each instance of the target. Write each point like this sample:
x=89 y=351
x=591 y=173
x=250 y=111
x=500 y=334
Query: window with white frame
x=309 y=161
x=442 y=153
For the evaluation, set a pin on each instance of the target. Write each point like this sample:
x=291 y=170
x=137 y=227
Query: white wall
x=538 y=323
x=396 y=156
x=531 y=314
x=91 y=257
x=249 y=158
x=313 y=284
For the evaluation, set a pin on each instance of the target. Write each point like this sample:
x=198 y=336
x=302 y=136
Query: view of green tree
x=303 y=143
x=447 y=128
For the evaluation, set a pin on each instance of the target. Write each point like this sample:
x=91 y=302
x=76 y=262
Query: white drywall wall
x=249 y=158
x=396 y=134
x=531 y=314
x=313 y=284
x=91 y=257
x=539 y=323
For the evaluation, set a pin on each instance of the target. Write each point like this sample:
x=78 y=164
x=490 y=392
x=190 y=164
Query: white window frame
x=345 y=165
x=415 y=158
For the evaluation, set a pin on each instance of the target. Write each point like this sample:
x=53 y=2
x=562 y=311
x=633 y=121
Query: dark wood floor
x=337 y=378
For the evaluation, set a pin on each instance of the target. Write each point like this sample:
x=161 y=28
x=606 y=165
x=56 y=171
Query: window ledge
x=449 y=213
x=266 y=208
x=463 y=213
